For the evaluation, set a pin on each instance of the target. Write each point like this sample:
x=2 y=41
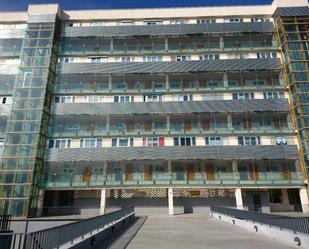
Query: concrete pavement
x=196 y=232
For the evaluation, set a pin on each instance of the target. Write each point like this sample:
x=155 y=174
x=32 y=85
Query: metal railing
x=56 y=237
x=296 y=224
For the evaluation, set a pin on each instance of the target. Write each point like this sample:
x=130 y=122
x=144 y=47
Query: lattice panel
x=87 y=194
x=204 y=193
x=138 y=193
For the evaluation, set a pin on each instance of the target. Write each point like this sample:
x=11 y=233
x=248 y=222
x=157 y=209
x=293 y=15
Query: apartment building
x=168 y=110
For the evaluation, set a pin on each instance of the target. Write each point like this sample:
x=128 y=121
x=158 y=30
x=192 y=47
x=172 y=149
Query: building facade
x=168 y=110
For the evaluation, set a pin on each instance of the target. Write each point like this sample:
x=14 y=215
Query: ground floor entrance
x=176 y=200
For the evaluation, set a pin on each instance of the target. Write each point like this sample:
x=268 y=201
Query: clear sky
x=17 y=5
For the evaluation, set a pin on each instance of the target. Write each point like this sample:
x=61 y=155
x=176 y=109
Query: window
x=99 y=59
x=243 y=95
x=281 y=141
x=259 y=19
x=258 y=83
x=74 y=24
x=266 y=55
x=209 y=57
x=159 y=169
x=183 y=58
x=153 y=98
x=69 y=59
x=265 y=123
x=213 y=141
x=184 y=97
x=248 y=140
x=179 y=21
x=90 y=143
x=273 y=95
x=275 y=196
x=125 y=59
x=153 y=141
x=97 y=24
x=152 y=58
x=153 y=22
x=59 y=143
x=233 y=20
x=122 y=142
x=212 y=96
x=206 y=20
x=64 y=99
x=184 y=141
x=158 y=85
x=27 y=79
x=237 y=56
x=5 y=100
x=93 y=99
x=126 y=23
x=123 y=98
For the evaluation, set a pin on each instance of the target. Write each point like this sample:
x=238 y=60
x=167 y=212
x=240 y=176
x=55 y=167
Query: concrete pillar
x=110 y=80
x=39 y=210
x=168 y=122
x=103 y=201
x=229 y=121
x=225 y=80
x=112 y=45
x=221 y=42
x=167 y=82
x=235 y=169
x=170 y=202
x=166 y=44
x=304 y=199
x=238 y=196
x=169 y=169
x=285 y=197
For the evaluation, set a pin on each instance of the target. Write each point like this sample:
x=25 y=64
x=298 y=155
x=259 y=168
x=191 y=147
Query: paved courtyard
x=193 y=231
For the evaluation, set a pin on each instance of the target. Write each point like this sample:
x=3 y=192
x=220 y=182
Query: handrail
x=296 y=224
x=56 y=236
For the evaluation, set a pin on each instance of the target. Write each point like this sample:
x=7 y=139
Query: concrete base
x=285 y=236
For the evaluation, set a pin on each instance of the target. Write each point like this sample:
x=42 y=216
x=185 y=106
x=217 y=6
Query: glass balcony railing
x=164 y=131
x=170 y=178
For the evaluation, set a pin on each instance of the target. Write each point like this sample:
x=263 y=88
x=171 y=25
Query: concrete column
x=238 y=196
x=169 y=169
x=108 y=120
x=105 y=171
x=303 y=194
x=167 y=82
x=168 y=123
x=221 y=42
x=112 y=45
x=103 y=201
x=166 y=44
x=285 y=197
x=225 y=80
x=229 y=121
x=39 y=210
x=170 y=202
x=235 y=169
x=110 y=79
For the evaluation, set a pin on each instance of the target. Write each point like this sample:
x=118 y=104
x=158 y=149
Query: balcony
x=165 y=30
x=173 y=153
x=169 y=67
x=170 y=178
x=73 y=126
x=211 y=106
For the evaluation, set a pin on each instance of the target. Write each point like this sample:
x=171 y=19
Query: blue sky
x=21 y=5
